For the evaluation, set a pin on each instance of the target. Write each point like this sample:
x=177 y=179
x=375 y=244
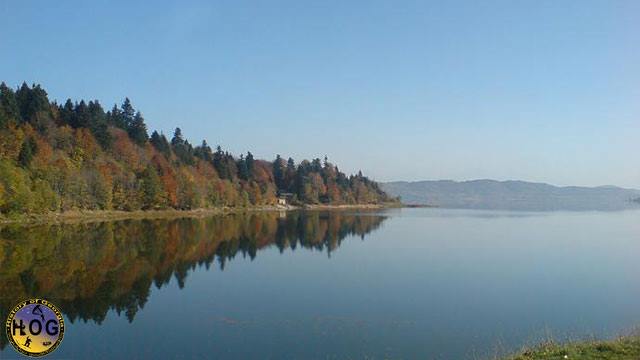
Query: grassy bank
x=110 y=215
x=623 y=348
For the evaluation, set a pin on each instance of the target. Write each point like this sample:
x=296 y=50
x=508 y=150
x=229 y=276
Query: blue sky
x=404 y=90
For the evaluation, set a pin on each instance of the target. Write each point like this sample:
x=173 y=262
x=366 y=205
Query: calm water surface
x=405 y=284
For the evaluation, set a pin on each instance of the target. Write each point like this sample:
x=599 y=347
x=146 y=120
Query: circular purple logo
x=35 y=327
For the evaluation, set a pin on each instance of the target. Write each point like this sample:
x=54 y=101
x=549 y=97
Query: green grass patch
x=623 y=348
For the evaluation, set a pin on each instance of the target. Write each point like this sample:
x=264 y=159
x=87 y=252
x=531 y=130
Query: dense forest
x=77 y=156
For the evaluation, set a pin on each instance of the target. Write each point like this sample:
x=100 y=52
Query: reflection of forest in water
x=89 y=269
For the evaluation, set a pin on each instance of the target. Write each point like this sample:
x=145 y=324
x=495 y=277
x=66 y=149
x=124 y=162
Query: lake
x=399 y=284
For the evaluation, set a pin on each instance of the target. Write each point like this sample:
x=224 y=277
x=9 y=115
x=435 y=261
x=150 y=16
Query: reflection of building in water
x=91 y=268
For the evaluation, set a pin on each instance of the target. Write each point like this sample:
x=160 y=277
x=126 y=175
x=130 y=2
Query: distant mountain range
x=512 y=195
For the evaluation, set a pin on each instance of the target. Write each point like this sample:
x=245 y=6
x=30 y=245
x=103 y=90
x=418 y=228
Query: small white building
x=284 y=199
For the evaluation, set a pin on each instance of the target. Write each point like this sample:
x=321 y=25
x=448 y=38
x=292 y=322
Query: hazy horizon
x=542 y=92
x=507 y=180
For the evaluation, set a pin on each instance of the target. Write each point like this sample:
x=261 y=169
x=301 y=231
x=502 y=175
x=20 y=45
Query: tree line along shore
x=76 y=156
x=87 y=216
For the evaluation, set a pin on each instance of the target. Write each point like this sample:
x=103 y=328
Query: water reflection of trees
x=89 y=269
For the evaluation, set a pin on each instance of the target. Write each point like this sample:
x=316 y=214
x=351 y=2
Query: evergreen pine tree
x=80 y=116
x=116 y=118
x=278 y=172
x=250 y=162
x=98 y=124
x=31 y=101
x=67 y=112
x=204 y=152
x=137 y=130
x=8 y=104
x=243 y=170
x=127 y=113
x=160 y=142
x=177 y=137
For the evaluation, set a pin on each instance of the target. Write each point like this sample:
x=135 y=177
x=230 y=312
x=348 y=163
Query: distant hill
x=511 y=195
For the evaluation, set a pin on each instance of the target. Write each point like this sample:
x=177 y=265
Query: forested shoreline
x=77 y=156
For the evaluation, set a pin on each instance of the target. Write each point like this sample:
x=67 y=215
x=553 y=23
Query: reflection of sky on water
x=428 y=283
x=486 y=213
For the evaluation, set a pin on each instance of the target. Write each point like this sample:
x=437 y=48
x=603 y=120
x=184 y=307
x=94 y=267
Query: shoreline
x=115 y=215
x=619 y=348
